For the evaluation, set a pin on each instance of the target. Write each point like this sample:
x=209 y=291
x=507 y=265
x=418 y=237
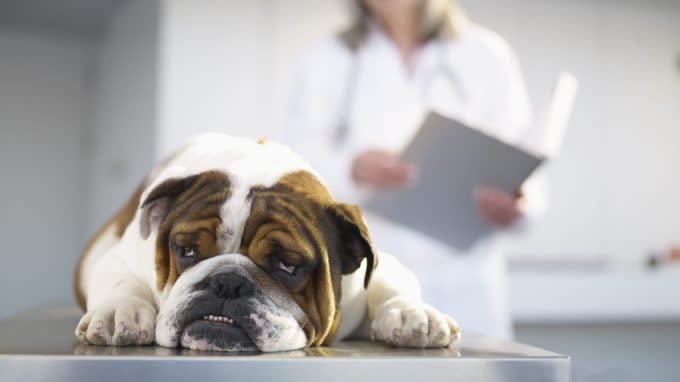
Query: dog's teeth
x=224 y=319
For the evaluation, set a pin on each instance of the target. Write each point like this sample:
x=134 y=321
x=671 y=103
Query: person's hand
x=382 y=169
x=497 y=207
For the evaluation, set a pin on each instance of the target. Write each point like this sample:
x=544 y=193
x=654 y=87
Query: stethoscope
x=441 y=69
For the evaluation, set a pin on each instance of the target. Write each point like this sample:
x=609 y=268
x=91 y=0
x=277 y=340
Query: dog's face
x=242 y=266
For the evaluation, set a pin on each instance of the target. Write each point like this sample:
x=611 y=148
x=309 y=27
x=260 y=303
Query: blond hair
x=440 y=19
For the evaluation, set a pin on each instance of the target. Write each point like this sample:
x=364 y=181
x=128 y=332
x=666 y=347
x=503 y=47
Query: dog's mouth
x=219 y=319
x=218 y=333
x=206 y=322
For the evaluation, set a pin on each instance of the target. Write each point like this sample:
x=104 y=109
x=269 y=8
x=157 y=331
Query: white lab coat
x=385 y=106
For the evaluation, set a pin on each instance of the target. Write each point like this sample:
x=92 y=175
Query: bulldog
x=234 y=244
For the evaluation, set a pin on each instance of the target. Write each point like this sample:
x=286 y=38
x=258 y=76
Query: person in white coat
x=360 y=95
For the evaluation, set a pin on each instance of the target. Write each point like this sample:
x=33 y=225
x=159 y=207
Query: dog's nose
x=231 y=285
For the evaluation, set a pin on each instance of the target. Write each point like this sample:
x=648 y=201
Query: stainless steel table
x=40 y=345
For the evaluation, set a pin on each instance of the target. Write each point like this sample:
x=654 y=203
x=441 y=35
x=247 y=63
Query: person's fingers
x=502 y=211
x=498 y=218
x=395 y=175
x=503 y=205
x=495 y=198
x=383 y=169
x=496 y=206
x=496 y=195
x=505 y=219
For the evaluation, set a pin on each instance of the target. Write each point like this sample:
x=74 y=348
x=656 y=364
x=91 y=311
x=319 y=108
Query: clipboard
x=453 y=159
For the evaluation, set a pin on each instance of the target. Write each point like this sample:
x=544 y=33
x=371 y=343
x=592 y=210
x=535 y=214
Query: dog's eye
x=185 y=252
x=290 y=269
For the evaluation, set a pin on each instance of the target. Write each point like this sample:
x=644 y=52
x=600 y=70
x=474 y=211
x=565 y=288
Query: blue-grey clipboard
x=453 y=159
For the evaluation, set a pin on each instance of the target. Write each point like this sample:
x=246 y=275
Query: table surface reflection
x=40 y=345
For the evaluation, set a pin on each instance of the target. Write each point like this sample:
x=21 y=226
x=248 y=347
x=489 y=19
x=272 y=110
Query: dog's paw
x=120 y=322
x=406 y=323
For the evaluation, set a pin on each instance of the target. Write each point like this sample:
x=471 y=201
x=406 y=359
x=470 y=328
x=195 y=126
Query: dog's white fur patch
x=104 y=242
x=279 y=331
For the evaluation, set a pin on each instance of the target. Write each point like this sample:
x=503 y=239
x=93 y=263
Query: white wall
x=123 y=109
x=292 y=28
x=612 y=190
x=42 y=92
x=209 y=54
x=78 y=121
x=226 y=66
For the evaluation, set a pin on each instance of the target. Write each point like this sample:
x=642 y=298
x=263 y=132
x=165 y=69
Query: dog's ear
x=159 y=201
x=354 y=238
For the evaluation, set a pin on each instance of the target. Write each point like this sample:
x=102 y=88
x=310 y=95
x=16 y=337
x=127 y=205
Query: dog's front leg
x=398 y=315
x=120 y=307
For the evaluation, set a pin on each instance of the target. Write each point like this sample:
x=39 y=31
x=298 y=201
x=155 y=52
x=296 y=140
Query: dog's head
x=249 y=254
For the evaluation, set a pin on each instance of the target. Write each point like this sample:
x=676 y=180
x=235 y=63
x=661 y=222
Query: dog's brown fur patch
x=192 y=220
x=297 y=218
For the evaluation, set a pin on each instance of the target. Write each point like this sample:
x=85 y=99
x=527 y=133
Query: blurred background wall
x=42 y=105
x=92 y=92
x=123 y=107
x=78 y=118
